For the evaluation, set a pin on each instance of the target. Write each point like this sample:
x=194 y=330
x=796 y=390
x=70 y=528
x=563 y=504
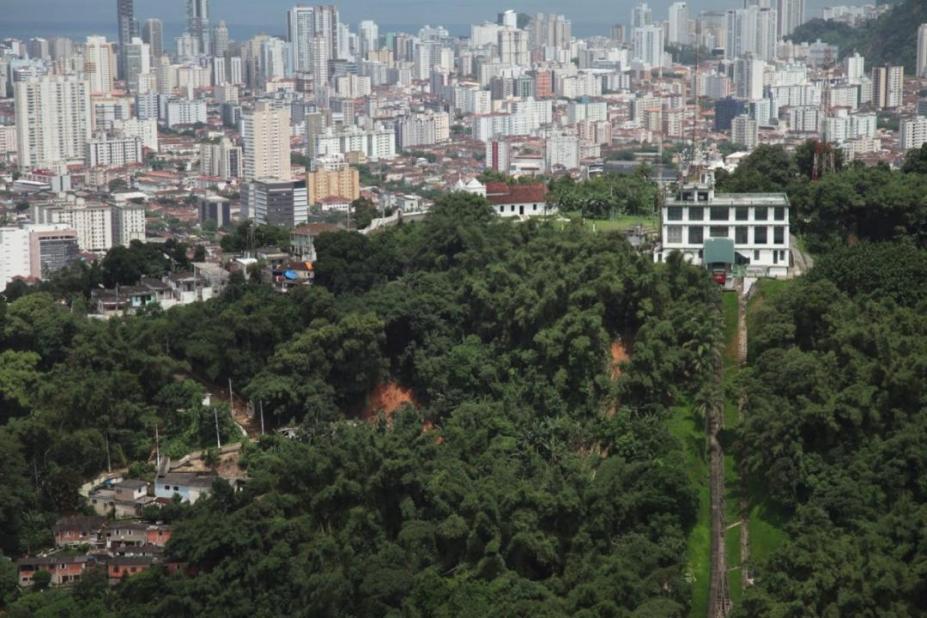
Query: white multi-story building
x=758 y=225
x=751 y=30
x=113 y=151
x=790 y=14
x=921 y=65
x=913 y=132
x=678 y=24
x=53 y=120
x=586 y=110
x=748 y=78
x=647 y=45
x=222 y=160
x=745 y=131
x=562 y=150
x=423 y=129
x=377 y=143
x=128 y=224
x=513 y=47
x=14 y=254
x=145 y=130
x=887 y=87
x=855 y=68
x=265 y=133
x=184 y=112
x=368 y=37
x=99 y=64
x=805 y=119
x=93 y=222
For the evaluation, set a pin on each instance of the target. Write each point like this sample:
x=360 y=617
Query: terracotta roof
x=501 y=193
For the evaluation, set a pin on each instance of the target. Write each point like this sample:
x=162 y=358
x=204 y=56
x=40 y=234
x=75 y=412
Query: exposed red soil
x=387 y=398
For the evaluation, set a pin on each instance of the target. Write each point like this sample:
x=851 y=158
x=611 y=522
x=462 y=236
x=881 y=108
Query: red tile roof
x=501 y=193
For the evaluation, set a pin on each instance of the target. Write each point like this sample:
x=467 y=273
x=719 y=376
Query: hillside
x=891 y=39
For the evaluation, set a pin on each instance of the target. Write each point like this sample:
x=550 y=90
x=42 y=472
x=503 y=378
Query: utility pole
x=262 y=417
x=109 y=465
x=157 y=450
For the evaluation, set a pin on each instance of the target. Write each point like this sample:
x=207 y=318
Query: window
x=779 y=213
x=717 y=231
x=703 y=196
x=720 y=213
x=756 y=254
x=761 y=213
x=759 y=235
x=778 y=235
x=742 y=213
x=674 y=234
x=696 y=234
x=674 y=213
x=696 y=213
x=740 y=235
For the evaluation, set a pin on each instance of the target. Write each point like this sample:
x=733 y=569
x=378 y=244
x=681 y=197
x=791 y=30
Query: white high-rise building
x=790 y=15
x=53 y=120
x=562 y=150
x=641 y=16
x=855 y=68
x=508 y=19
x=93 y=222
x=678 y=24
x=265 y=133
x=369 y=34
x=14 y=254
x=99 y=64
x=748 y=78
x=751 y=30
x=922 y=51
x=300 y=30
x=745 y=131
x=513 y=47
x=913 y=132
x=647 y=45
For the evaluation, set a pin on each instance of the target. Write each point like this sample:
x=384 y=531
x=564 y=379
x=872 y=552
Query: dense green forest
x=529 y=475
x=890 y=39
x=526 y=480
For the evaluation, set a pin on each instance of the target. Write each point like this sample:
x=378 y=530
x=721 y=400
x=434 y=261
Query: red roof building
x=518 y=200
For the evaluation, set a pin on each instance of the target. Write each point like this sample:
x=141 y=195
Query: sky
x=78 y=17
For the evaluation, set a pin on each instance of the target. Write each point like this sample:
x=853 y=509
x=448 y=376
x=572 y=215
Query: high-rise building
x=887 y=87
x=751 y=30
x=265 y=132
x=99 y=65
x=128 y=224
x=678 y=26
x=921 y=51
x=153 y=34
x=508 y=19
x=913 y=132
x=312 y=32
x=93 y=222
x=641 y=15
x=549 y=30
x=745 y=131
x=343 y=182
x=647 y=45
x=125 y=16
x=855 y=68
x=138 y=63
x=220 y=39
x=748 y=78
x=113 y=151
x=790 y=15
x=198 y=24
x=222 y=160
x=277 y=202
x=369 y=34
x=53 y=120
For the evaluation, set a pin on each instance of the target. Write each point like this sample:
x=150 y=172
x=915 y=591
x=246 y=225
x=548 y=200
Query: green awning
x=718 y=251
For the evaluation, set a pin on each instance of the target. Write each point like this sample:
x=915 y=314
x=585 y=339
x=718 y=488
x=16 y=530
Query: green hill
x=891 y=39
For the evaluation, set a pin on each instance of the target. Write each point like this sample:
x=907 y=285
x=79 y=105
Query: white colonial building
x=757 y=223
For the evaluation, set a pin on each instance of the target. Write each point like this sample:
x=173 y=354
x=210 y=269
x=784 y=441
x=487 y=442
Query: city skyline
x=91 y=16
